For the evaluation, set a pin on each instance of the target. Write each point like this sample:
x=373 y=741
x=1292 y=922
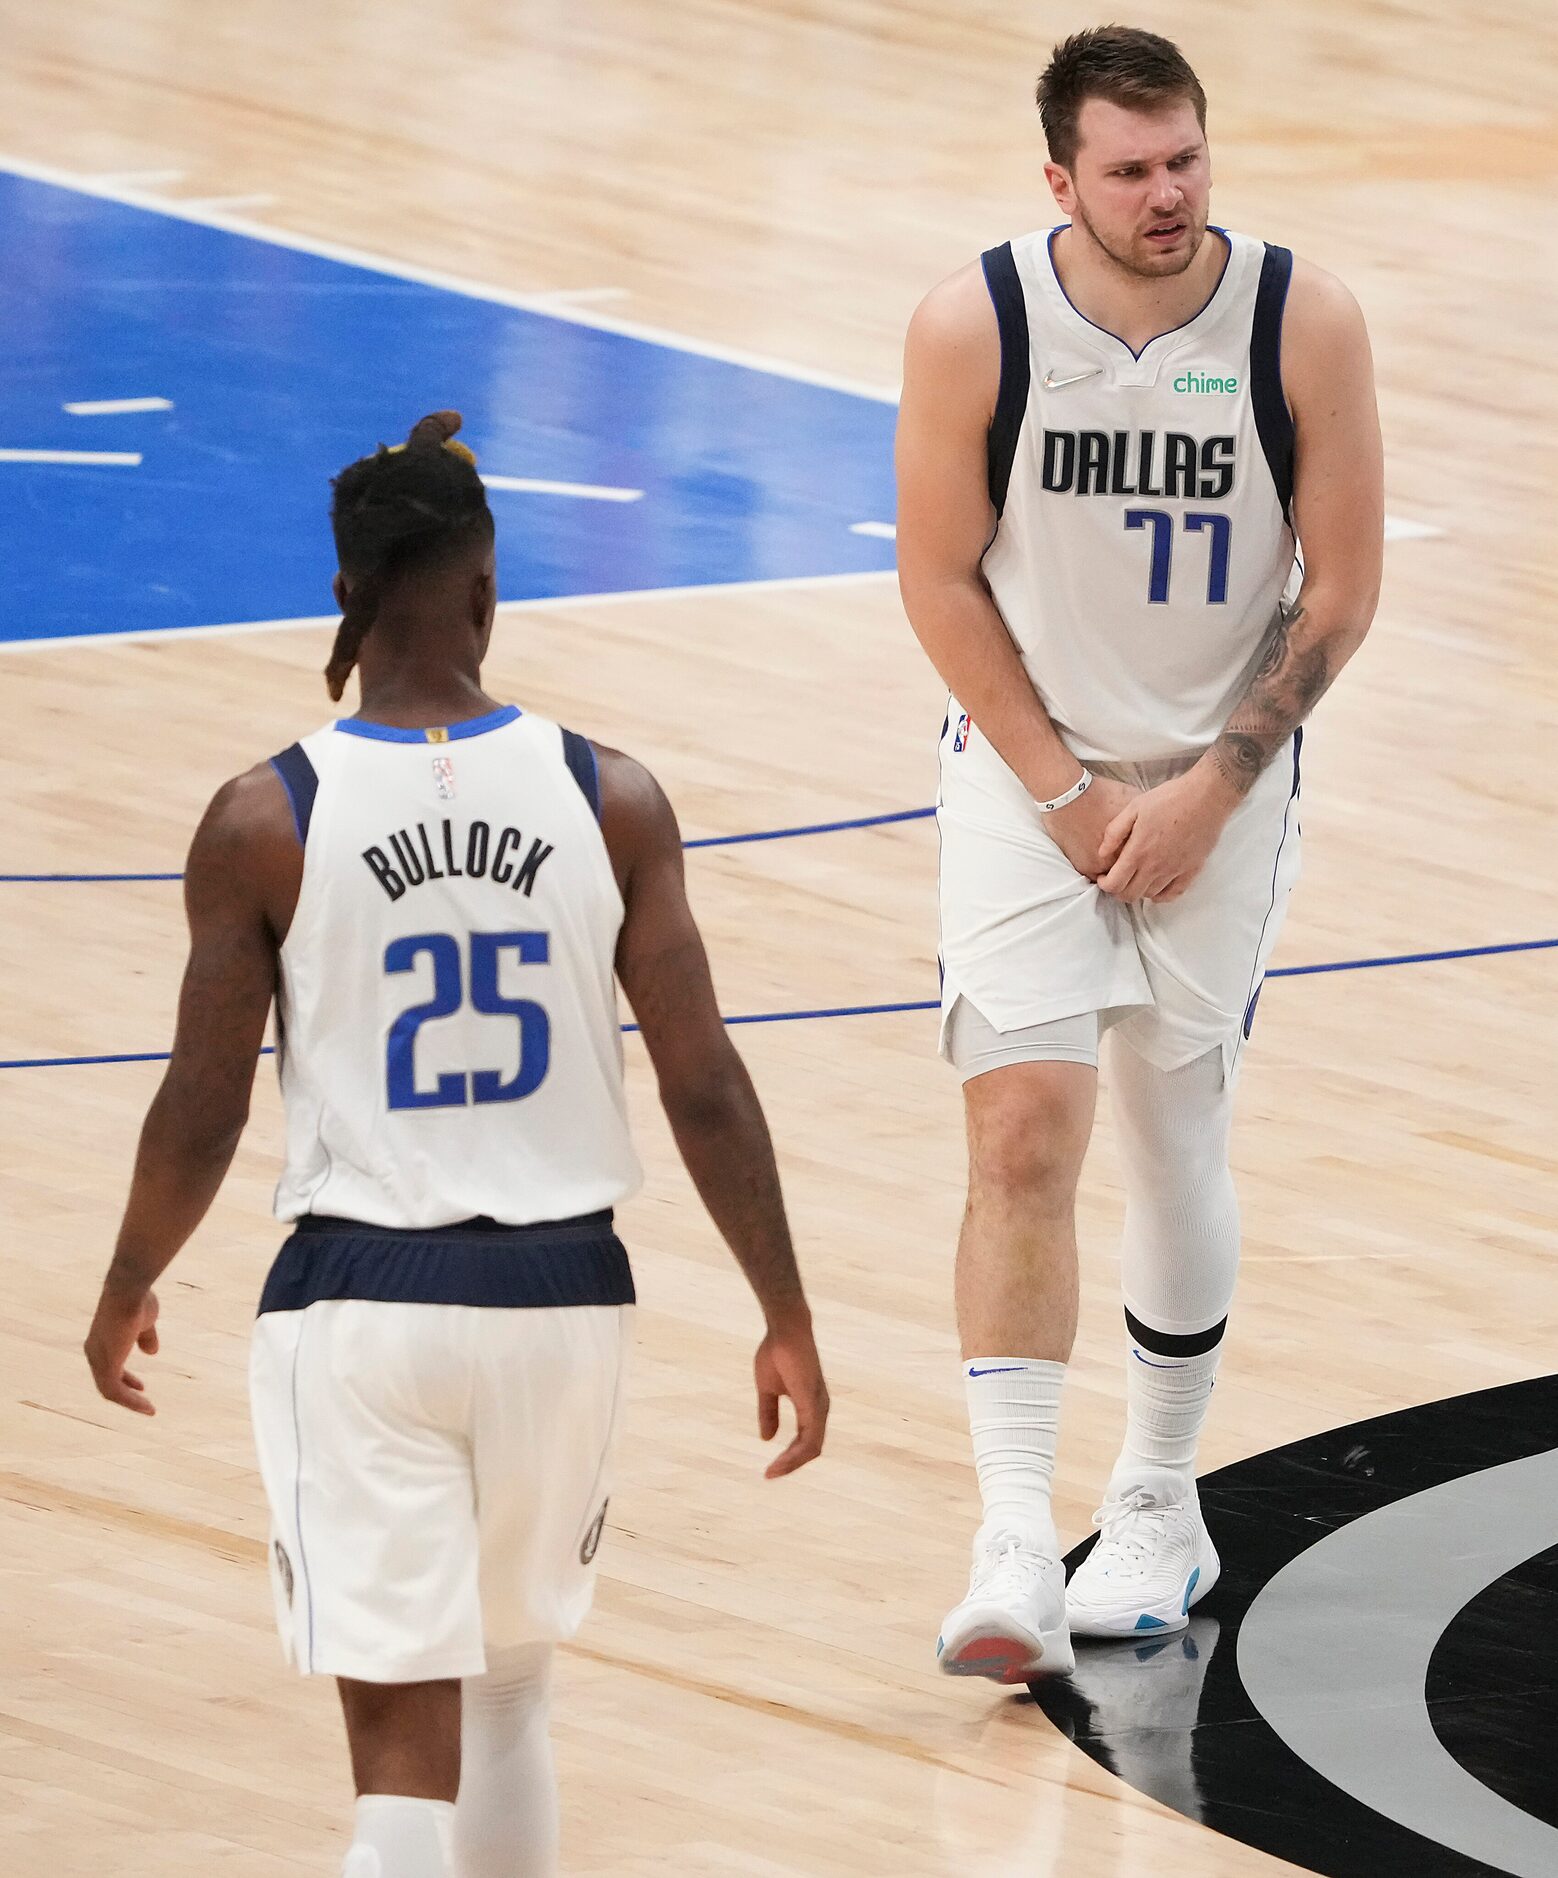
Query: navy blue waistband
x=476 y=1261
x=581 y=1226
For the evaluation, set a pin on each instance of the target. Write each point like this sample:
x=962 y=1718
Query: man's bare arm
x=1338 y=514
x=195 y=1120
x=951 y=375
x=706 y=1092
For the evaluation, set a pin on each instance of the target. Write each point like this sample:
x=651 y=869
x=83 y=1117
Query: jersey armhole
x=584 y=766
x=1273 y=419
x=1011 y=402
x=301 y=781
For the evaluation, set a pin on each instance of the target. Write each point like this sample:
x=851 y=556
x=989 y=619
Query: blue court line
x=703 y=841
x=885 y=1010
x=1414 y=958
x=813 y=828
x=54 y=879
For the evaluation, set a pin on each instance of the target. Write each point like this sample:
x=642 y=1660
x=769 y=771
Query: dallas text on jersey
x=483 y=857
x=1122 y=463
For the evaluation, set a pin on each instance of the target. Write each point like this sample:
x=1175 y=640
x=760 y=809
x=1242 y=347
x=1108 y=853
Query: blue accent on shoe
x=1144 y=1622
x=1195 y=1579
x=941 y=1644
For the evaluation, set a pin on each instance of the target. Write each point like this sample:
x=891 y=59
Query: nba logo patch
x=284 y=1569
x=961 y=735
x=443 y=777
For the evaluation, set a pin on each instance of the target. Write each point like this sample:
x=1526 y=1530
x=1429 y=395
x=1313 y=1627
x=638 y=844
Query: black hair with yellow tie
x=408 y=506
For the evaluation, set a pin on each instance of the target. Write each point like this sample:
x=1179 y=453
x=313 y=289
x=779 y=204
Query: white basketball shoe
x=1153 y=1560
x=1012 y=1625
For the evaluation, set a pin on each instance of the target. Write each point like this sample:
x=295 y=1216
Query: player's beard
x=1146 y=265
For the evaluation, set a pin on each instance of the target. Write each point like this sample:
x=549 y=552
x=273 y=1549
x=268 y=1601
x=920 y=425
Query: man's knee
x=404 y=1737
x=1173 y=1124
x=1028 y=1127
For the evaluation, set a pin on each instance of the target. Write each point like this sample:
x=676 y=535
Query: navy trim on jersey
x=1276 y=866
x=1273 y=419
x=579 y=755
x=479 y=1261
x=301 y=782
x=1168 y=331
x=1011 y=400
x=452 y=733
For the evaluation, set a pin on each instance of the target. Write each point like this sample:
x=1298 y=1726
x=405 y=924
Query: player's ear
x=1059 y=181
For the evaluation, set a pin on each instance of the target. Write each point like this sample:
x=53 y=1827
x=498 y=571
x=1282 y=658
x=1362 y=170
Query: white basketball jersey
x=447 y=1025
x=1143 y=541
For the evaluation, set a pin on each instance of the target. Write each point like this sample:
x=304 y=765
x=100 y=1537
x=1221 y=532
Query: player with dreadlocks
x=437 y=892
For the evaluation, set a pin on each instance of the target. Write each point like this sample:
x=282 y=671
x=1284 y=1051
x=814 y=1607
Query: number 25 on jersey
x=456 y=1088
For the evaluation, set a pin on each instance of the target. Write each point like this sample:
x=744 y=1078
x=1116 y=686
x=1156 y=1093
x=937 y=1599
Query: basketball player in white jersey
x=1115 y=435
x=437 y=892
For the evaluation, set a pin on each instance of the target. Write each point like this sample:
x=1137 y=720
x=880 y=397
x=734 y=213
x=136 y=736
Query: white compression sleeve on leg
x=1180 y=1252
x=505 y=1824
x=397 y=1837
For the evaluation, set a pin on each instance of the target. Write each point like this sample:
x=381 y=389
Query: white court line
x=535 y=486
x=713 y=589
x=115 y=407
x=135 y=179
x=222 y=205
x=576 y=296
x=126 y=459
x=543 y=303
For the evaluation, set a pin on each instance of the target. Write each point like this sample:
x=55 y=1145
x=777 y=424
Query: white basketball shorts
x=1026 y=939
x=437 y=1477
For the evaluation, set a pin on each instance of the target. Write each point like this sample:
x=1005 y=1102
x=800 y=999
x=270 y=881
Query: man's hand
x=787 y=1364
x=1160 y=841
x=1079 y=830
x=125 y=1321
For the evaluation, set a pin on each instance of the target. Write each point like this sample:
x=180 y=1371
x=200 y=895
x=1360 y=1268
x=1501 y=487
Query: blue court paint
x=281 y=366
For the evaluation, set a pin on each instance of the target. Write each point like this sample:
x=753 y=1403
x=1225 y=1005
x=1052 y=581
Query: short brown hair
x=1129 y=67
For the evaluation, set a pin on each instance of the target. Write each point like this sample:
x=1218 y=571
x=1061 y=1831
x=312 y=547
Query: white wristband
x=1079 y=788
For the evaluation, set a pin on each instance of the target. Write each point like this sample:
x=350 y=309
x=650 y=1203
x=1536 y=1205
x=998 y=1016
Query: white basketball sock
x=1166 y=1399
x=505 y=1824
x=1014 y=1417
x=398 y=1837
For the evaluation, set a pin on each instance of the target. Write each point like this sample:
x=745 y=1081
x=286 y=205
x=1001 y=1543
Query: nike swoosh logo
x=1001 y=1369
x=1051 y=383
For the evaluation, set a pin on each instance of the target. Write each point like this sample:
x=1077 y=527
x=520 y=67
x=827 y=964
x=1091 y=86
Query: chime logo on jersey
x=1202 y=382
x=961 y=734
x=443 y=777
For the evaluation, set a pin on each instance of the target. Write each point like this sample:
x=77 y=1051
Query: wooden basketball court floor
x=755 y=1693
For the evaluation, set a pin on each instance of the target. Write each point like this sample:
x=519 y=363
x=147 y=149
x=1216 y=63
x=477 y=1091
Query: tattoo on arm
x=1293 y=676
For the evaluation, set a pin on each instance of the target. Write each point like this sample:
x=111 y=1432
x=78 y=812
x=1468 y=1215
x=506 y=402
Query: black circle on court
x=1170 y=1714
